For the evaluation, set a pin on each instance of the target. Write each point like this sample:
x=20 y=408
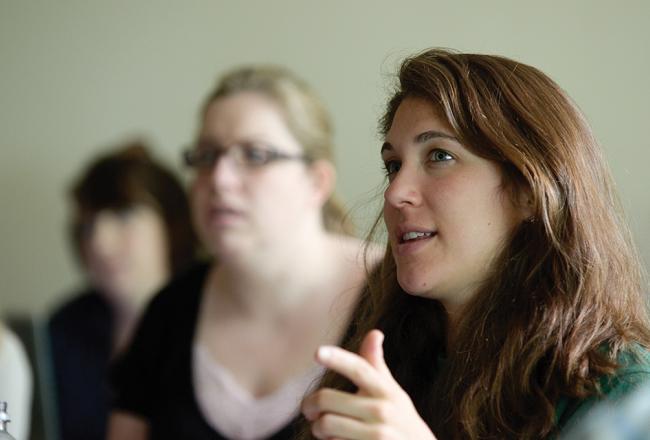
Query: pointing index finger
x=355 y=368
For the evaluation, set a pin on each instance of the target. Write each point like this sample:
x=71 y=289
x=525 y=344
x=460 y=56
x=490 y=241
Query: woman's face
x=445 y=208
x=240 y=207
x=125 y=252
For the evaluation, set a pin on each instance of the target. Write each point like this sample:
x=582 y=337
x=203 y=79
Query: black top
x=81 y=338
x=153 y=379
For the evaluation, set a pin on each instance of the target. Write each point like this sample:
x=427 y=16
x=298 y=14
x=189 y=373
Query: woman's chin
x=416 y=286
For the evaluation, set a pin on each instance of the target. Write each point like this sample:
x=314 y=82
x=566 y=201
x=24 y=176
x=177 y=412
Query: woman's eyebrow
x=422 y=138
x=433 y=134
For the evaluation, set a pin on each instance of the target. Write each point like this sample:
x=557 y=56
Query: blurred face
x=445 y=208
x=243 y=203
x=126 y=252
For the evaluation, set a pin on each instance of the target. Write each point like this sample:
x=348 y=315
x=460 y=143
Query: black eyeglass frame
x=210 y=156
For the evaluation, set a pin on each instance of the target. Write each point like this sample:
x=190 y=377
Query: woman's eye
x=253 y=155
x=391 y=167
x=440 y=156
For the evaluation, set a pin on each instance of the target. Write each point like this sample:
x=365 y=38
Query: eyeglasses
x=247 y=156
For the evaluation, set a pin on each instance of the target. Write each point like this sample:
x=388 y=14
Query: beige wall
x=77 y=76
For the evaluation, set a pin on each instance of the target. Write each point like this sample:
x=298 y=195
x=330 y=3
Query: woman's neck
x=125 y=319
x=271 y=284
x=126 y=309
x=455 y=314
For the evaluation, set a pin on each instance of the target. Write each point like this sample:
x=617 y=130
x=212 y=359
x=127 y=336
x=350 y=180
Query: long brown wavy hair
x=564 y=298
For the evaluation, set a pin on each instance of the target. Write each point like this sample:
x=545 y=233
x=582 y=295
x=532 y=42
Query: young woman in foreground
x=510 y=295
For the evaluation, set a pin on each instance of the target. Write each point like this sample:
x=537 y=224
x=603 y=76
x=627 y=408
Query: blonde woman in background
x=226 y=351
x=15 y=383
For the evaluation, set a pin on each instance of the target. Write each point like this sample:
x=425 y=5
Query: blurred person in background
x=16 y=383
x=227 y=350
x=131 y=230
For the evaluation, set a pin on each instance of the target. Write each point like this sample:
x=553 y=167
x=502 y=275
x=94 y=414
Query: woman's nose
x=225 y=172
x=403 y=190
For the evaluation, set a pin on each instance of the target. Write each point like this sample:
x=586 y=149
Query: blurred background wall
x=79 y=76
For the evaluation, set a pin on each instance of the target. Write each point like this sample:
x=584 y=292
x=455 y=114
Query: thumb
x=372 y=351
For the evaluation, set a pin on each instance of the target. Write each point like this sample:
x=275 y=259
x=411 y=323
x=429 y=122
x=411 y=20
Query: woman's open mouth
x=415 y=235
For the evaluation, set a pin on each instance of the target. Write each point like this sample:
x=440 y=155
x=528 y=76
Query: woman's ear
x=323 y=177
x=525 y=203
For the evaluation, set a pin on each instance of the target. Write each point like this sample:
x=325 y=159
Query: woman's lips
x=413 y=241
x=220 y=216
x=415 y=235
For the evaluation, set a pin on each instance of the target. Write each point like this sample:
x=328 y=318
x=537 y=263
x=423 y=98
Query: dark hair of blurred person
x=131 y=231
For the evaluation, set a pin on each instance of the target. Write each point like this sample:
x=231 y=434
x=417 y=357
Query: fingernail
x=324 y=353
x=308 y=412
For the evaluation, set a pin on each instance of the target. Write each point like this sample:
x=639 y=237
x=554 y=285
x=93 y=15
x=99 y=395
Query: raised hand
x=380 y=409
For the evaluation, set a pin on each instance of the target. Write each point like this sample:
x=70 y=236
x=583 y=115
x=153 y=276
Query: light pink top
x=234 y=411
